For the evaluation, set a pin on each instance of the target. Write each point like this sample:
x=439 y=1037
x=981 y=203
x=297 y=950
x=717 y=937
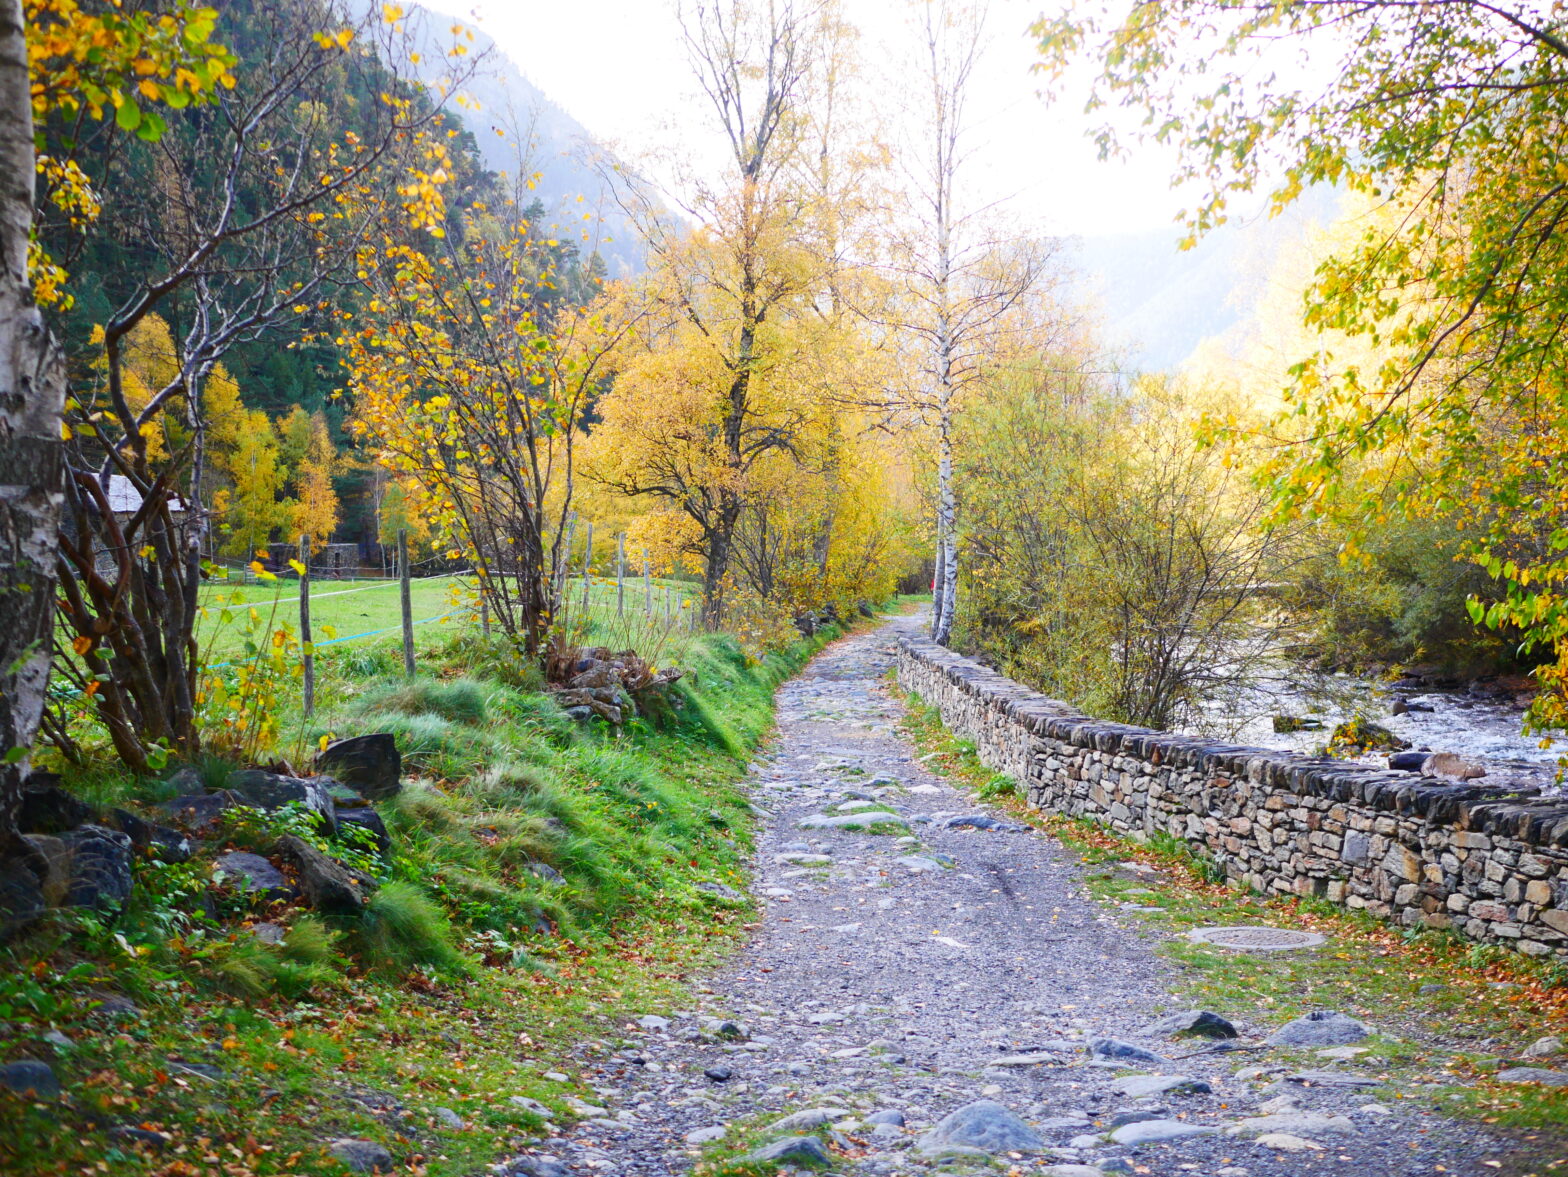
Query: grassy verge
x=1439 y=1046
x=543 y=888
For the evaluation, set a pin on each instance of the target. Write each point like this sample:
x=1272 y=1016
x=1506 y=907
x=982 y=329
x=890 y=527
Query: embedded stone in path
x=1322 y=1027
x=1533 y=1075
x=984 y=1125
x=1115 y=1048
x=1144 y=1086
x=1193 y=1023
x=1333 y=1079
x=361 y=1156
x=1155 y=1131
x=1295 y=1123
x=796 y=1148
x=850 y=821
x=808 y=1119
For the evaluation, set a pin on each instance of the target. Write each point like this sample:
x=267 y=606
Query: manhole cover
x=1256 y=939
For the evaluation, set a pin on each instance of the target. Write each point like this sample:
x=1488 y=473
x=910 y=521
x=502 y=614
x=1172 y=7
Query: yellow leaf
x=81 y=644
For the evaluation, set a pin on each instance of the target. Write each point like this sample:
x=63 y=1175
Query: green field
x=368 y=609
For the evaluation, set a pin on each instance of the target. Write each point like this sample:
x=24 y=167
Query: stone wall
x=1488 y=863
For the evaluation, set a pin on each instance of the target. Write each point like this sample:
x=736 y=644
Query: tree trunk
x=32 y=400
x=947 y=541
x=721 y=545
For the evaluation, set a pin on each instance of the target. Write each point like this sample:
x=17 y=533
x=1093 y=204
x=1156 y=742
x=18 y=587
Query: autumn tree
x=1452 y=116
x=471 y=382
x=722 y=377
x=79 y=64
x=247 y=221
x=958 y=273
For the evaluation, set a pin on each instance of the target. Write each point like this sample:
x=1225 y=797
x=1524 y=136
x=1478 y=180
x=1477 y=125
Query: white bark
x=32 y=400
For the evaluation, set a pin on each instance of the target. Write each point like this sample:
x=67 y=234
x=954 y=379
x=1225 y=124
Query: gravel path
x=905 y=972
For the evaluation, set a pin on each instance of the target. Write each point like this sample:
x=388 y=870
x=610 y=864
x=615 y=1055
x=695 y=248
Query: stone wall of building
x=1488 y=863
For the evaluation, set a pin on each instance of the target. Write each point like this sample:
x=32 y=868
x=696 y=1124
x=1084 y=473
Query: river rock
x=1323 y=1027
x=1407 y=761
x=30 y=1079
x=1543 y=1048
x=1195 y=1023
x=1285 y=1142
x=1155 y=1131
x=371 y=764
x=984 y=1125
x=361 y=1156
x=984 y=821
x=1449 y=764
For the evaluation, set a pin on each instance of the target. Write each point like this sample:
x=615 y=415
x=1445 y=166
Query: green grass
x=350 y=608
x=1436 y=1047
x=542 y=891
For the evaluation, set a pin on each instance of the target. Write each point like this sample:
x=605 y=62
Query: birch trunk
x=32 y=400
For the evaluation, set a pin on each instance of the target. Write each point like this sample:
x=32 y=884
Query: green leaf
x=128 y=115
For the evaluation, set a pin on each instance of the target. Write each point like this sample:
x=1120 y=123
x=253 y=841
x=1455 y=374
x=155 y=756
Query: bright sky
x=620 y=68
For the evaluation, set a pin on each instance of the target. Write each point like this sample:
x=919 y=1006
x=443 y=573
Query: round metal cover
x=1256 y=939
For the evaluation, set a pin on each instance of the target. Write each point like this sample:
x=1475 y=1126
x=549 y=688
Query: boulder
x=1323 y=1027
x=154 y=841
x=199 y=812
x=251 y=874
x=22 y=898
x=797 y=1149
x=1447 y=764
x=371 y=765
x=269 y=791
x=984 y=1125
x=361 y=1156
x=328 y=886
x=55 y=858
x=100 y=873
x=1407 y=761
x=366 y=822
x=30 y=1079
x=1196 y=1023
x=46 y=808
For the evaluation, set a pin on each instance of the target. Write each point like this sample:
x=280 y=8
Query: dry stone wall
x=1491 y=864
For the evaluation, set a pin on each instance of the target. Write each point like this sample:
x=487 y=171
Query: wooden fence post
x=620 y=575
x=304 y=626
x=647 y=587
x=407 y=602
x=587 y=568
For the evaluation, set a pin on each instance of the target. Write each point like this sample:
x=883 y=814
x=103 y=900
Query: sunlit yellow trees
x=461 y=384
x=719 y=381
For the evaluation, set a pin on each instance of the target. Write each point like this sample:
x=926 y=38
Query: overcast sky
x=619 y=67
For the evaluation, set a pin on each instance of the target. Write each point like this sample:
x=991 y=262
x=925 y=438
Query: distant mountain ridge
x=562 y=152
x=1159 y=302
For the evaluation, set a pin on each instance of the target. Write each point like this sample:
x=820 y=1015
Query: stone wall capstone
x=1487 y=862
